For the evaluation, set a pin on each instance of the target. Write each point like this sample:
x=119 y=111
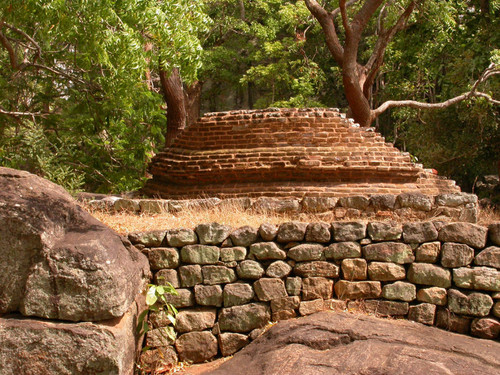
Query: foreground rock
x=39 y=347
x=340 y=343
x=57 y=261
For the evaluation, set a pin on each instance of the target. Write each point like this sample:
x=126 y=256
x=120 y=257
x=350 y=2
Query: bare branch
x=325 y=19
x=360 y=20
x=345 y=20
x=419 y=105
x=336 y=12
x=58 y=72
x=488 y=72
x=10 y=50
x=22 y=33
x=17 y=114
x=376 y=59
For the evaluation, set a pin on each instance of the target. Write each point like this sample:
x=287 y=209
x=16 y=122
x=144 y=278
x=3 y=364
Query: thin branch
x=58 y=72
x=345 y=20
x=336 y=12
x=20 y=32
x=17 y=114
x=376 y=59
x=326 y=19
x=419 y=105
x=12 y=54
x=362 y=17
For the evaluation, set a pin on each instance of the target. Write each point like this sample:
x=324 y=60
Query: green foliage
x=85 y=75
x=437 y=58
x=156 y=301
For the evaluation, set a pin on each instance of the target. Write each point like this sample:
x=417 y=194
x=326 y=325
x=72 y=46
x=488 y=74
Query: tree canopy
x=90 y=89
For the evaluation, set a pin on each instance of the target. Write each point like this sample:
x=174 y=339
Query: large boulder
x=341 y=343
x=41 y=347
x=56 y=260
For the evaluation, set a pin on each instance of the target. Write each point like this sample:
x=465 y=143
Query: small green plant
x=156 y=301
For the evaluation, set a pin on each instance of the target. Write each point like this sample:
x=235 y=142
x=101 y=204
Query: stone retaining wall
x=232 y=283
x=454 y=206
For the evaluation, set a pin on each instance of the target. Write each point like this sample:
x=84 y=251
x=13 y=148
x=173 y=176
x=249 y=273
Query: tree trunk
x=192 y=101
x=173 y=93
x=359 y=105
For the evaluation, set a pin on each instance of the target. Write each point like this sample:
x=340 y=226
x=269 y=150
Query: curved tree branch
x=377 y=58
x=18 y=114
x=325 y=19
x=490 y=71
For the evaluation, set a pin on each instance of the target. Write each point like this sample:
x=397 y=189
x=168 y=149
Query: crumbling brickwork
x=285 y=153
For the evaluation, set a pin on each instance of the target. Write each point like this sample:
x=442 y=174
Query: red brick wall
x=285 y=152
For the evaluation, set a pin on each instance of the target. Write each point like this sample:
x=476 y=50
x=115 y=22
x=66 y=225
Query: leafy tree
x=359 y=40
x=79 y=102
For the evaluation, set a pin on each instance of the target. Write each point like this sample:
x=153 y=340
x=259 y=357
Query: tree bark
x=192 y=101
x=173 y=93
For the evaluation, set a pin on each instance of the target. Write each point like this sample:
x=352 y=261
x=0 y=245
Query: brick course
x=285 y=153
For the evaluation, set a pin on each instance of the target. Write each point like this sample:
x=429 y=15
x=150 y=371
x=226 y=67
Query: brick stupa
x=285 y=153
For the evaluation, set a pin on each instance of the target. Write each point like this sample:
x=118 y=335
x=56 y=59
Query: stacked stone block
x=404 y=206
x=231 y=284
x=285 y=153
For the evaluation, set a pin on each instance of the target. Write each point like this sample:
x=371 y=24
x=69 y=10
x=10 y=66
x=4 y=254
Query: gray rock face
x=318 y=204
x=389 y=252
x=489 y=257
x=268 y=231
x=384 y=231
x=479 y=278
x=57 y=261
x=466 y=233
x=231 y=254
x=429 y=274
x=212 y=234
x=416 y=201
x=218 y=275
x=341 y=343
x=195 y=320
x=40 y=347
x=200 y=254
x=150 y=239
x=249 y=269
x=318 y=232
x=342 y=250
x=267 y=250
x=304 y=252
x=244 y=236
x=349 y=231
x=181 y=237
x=419 y=232
x=237 y=294
x=494 y=233
x=244 y=318
x=163 y=257
x=469 y=303
x=278 y=269
x=196 y=347
x=291 y=232
x=399 y=291
x=456 y=255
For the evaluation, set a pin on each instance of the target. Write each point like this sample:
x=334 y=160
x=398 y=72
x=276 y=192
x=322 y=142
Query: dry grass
x=233 y=215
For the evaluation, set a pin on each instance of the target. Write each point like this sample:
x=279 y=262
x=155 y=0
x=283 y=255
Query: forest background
x=90 y=90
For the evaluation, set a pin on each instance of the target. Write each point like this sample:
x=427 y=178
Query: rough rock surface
x=39 y=347
x=57 y=261
x=340 y=343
